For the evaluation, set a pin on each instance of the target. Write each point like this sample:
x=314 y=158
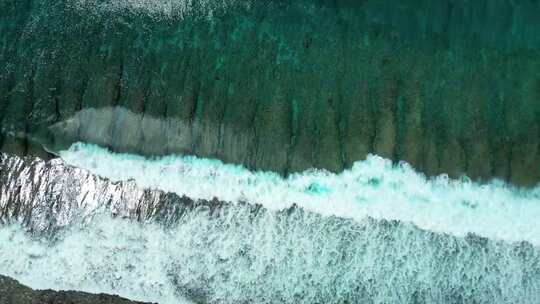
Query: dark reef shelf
x=12 y=292
x=450 y=86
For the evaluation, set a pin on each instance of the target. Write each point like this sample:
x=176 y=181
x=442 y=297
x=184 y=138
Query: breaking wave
x=374 y=188
x=377 y=233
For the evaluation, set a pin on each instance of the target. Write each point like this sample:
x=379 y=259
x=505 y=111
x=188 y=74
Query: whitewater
x=377 y=233
x=372 y=188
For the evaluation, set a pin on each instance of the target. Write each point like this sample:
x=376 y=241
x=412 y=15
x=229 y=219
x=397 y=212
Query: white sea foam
x=373 y=188
x=239 y=254
x=157 y=8
x=123 y=260
x=233 y=255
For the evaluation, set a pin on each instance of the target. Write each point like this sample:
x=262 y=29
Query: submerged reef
x=281 y=151
x=449 y=86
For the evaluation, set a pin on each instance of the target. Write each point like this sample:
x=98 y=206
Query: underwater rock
x=12 y=292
